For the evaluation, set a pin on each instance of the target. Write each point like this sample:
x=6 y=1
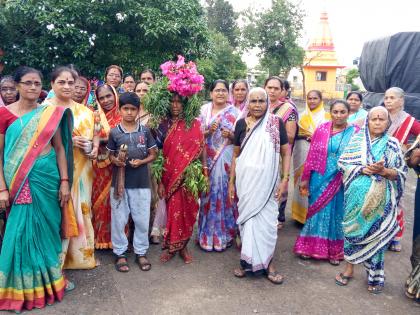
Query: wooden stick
x=120 y=180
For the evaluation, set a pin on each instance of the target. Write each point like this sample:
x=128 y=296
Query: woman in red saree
x=107 y=100
x=181 y=146
x=402 y=127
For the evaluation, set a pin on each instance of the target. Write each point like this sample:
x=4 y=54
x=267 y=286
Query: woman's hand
x=213 y=127
x=231 y=191
x=304 y=188
x=93 y=154
x=281 y=193
x=161 y=191
x=64 y=193
x=227 y=134
x=80 y=142
x=4 y=199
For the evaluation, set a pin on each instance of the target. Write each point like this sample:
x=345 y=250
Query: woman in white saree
x=260 y=139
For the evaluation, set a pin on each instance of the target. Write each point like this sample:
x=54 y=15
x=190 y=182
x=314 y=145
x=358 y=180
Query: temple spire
x=322 y=40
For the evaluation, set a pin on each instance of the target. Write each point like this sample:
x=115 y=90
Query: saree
x=359 y=115
x=181 y=147
x=30 y=266
x=78 y=251
x=322 y=235
x=217 y=215
x=370 y=202
x=403 y=125
x=309 y=120
x=257 y=176
x=102 y=178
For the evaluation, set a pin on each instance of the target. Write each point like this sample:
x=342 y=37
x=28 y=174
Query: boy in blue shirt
x=136 y=195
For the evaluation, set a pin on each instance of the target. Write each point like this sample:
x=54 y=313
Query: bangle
x=285 y=176
x=3 y=190
x=205 y=167
x=64 y=180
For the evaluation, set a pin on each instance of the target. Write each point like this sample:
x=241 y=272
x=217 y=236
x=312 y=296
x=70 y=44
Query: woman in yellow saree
x=78 y=251
x=35 y=176
x=313 y=116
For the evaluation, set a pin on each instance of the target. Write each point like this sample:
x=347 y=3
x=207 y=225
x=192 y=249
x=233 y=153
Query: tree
x=221 y=18
x=222 y=63
x=93 y=34
x=276 y=32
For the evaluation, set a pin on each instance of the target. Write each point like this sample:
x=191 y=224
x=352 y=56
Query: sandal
x=304 y=257
x=166 y=256
x=69 y=286
x=120 y=263
x=154 y=240
x=395 y=246
x=334 y=262
x=239 y=273
x=275 y=277
x=143 y=262
x=377 y=289
x=343 y=280
x=186 y=256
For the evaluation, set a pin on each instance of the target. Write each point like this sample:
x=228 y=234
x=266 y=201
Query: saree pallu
x=102 y=178
x=79 y=250
x=322 y=235
x=217 y=217
x=308 y=122
x=30 y=266
x=257 y=176
x=181 y=147
x=370 y=202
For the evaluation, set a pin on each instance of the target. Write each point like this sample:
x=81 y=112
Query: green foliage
x=276 y=32
x=351 y=75
x=157 y=168
x=222 y=63
x=221 y=18
x=132 y=33
x=194 y=180
x=158 y=103
x=355 y=87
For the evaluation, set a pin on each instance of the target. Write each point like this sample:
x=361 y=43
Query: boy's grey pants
x=135 y=201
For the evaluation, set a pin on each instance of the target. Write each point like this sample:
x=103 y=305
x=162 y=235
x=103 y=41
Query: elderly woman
x=8 y=91
x=357 y=113
x=259 y=141
x=322 y=235
x=216 y=222
x=402 y=127
x=82 y=91
x=128 y=83
x=374 y=176
x=313 y=116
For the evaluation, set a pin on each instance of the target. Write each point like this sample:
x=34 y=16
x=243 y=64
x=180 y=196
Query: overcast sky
x=352 y=22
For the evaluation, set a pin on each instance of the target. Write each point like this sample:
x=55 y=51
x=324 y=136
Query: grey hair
x=7 y=78
x=258 y=90
x=396 y=90
x=376 y=108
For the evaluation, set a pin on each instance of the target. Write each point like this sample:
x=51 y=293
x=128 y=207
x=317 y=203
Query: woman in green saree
x=35 y=180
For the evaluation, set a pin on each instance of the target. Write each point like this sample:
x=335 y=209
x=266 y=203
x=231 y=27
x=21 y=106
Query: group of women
x=348 y=173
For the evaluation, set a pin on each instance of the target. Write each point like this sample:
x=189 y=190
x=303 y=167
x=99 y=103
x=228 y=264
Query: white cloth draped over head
x=257 y=173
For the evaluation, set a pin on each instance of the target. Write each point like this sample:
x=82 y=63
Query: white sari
x=257 y=176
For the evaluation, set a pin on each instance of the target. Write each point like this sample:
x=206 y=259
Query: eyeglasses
x=31 y=83
x=220 y=91
x=8 y=89
x=80 y=88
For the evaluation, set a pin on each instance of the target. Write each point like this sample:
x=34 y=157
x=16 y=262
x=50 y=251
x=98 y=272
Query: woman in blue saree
x=322 y=235
x=35 y=177
x=216 y=224
x=374 y=173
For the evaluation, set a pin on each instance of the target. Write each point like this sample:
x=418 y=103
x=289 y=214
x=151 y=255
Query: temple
x=320 y=63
